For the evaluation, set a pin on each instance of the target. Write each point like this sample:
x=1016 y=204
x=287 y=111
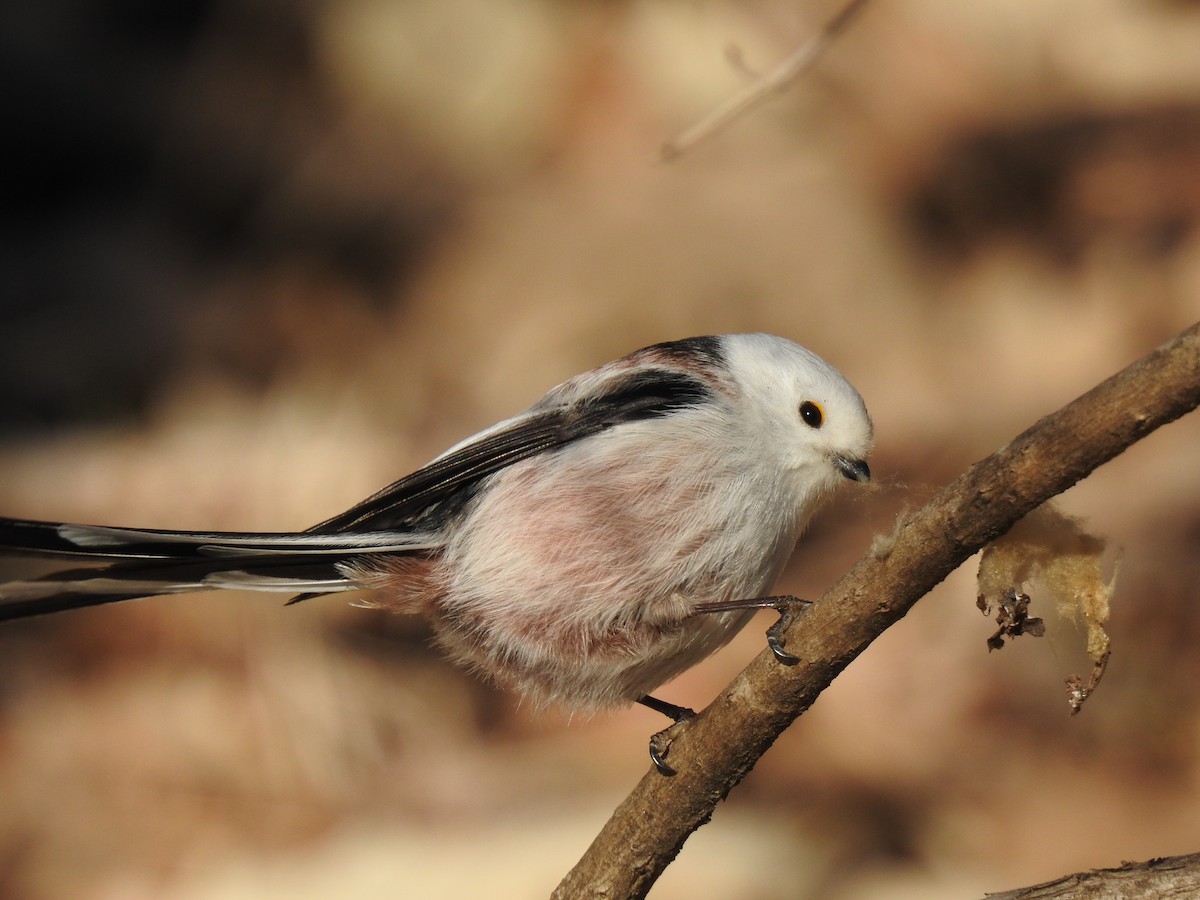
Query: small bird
x=582 y=553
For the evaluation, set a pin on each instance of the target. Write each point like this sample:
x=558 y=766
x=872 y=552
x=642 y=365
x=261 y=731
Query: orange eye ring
x=811 y=414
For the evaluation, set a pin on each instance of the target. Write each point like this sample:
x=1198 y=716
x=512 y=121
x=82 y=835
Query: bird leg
x=787 y=606
x=660 y=743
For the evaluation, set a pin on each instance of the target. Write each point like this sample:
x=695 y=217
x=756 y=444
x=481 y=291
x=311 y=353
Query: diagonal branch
x=776 y=80
x=721 y=745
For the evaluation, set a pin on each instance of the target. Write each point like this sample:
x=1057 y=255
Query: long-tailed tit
x=582 y=553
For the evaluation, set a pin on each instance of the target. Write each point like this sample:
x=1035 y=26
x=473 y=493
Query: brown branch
x=1171 y=876
x=720 y=746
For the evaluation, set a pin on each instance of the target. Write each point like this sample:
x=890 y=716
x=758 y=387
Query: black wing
x=433 y=494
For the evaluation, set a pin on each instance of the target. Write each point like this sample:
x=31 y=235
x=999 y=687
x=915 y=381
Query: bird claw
x=787 y=607
x=660 y=743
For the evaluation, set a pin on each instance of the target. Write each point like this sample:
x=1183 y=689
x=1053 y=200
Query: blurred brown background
x=261 y=258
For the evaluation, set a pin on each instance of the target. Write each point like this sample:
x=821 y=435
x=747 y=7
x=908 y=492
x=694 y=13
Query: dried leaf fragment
x=1013 y=618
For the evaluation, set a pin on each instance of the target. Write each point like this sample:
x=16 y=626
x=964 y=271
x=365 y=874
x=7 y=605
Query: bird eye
x=811 y=414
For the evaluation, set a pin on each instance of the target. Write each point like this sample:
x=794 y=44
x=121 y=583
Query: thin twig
x=774 y=81
x=723 y=743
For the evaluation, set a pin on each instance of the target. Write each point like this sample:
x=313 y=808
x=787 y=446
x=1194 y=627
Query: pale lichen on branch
x=1049 y=554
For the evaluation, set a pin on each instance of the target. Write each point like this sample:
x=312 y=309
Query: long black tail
x=106 y=565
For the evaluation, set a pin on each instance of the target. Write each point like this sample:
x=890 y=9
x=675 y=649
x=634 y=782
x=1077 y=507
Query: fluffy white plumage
x=563 y=552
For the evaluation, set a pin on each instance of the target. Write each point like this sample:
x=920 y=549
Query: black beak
x=854 y=469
